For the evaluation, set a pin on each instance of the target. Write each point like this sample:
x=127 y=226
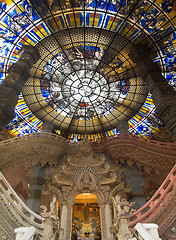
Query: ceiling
x=85 y=82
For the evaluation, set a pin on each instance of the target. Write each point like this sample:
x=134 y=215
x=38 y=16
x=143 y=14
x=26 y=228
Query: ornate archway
x=86 y=217
x=86 y=181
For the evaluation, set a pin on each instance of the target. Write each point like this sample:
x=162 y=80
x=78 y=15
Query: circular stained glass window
x=87 y=88
x=87 y=37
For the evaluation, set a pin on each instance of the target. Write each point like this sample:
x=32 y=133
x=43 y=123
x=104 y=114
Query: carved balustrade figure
x=122 y=210
x=51 y=218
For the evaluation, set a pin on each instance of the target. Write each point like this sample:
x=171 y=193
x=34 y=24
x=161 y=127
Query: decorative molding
x=147 y=154
x=32 y=149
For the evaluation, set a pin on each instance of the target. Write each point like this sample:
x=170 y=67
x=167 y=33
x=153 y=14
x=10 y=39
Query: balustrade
x=18 y=208
x=157 y=202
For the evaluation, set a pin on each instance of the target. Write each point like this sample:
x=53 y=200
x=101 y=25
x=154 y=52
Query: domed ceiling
x=85 y=82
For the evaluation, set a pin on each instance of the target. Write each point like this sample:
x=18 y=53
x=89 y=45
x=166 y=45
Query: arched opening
x=86 y=217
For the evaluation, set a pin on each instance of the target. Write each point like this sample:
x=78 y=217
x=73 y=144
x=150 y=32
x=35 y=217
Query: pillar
x=103 y=222
x=122 y=126
x=12 y=85
x=36 y=182
x=135 y=181
x=69 y=222
x=63 y=223
x=163 y=94
x=108 y=217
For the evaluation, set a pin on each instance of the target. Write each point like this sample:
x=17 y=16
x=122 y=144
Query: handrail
x=109 y=139
x=136 y=138
x=35 y=135
x=146 y=212
x=19 y=206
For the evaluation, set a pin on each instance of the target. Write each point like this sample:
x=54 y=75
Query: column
x=122 y=126
x=108 y=217
x=12 y=85
x=135 y=181
x=36 y=182
x=163 y=94
x=69 y=222
x=103 y=222
x=63 y=223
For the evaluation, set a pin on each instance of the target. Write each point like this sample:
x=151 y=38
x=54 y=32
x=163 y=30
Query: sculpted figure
x=86 y=181
x=53 y=210
x=51 y=217
x=122 y=209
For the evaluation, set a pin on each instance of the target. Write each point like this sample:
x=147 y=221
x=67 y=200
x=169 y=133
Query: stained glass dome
x=85 y=81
